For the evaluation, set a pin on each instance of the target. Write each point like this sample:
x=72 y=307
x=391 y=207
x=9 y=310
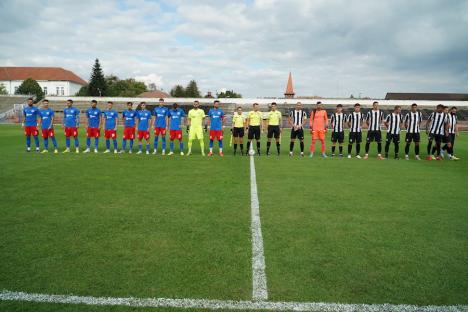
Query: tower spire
x=289 y=94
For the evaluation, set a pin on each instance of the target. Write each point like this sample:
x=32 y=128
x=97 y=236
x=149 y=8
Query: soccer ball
x=251 y=152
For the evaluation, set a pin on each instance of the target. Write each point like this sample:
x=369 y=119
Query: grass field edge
x=210 y=304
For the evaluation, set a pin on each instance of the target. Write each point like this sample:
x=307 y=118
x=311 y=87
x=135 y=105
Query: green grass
x=355 y=231
x=335 y=230
x=123 y=225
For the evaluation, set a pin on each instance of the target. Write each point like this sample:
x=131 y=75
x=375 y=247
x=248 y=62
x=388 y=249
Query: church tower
x=289 y=94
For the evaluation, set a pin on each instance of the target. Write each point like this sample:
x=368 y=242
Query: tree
x=229 y=94
x=30 y=87
x=3 y=90
x=192 y=90
x=126 y=88
x=97 y=83
x=83 y=91
x=111 y=80
x=208 y=95
x=152 y=86
x=178 y=91
x=352 y=96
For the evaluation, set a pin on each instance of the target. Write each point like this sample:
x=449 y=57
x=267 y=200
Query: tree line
x=112 y=86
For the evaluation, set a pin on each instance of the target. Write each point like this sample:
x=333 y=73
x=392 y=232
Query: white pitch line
x=6 y=295
x=259 y=281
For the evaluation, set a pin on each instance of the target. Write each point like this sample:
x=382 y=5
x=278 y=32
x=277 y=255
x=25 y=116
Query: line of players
x=441 y=128
x=160 y=119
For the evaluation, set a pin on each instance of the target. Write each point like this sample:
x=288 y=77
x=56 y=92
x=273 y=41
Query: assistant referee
x=274 y=122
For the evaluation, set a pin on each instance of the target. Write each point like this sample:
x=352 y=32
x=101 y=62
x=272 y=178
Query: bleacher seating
x=7 y=102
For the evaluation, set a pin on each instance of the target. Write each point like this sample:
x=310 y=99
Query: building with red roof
x=53 y=80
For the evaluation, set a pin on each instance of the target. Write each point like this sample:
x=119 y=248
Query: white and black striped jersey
x=356 y=121
x=394 y=121
x=412 y=122
x=374 y=119
x=438 y=121
x=337 y=122
x=298 y=117
x=452 y=120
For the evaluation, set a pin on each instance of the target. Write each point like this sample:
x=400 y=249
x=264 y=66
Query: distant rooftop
x=39 y=73
x=154 y=94
x=427 y=96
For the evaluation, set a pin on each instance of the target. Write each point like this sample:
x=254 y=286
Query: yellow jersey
x=274 y=118
x=196 y=117
x=255 y=118
x=238 y=120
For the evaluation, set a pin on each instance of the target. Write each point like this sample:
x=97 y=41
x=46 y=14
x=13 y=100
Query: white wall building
x=54 y=81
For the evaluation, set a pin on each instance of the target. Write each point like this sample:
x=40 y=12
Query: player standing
x=71 y=122
x=175 y=116
x=94 y=116
x=47 y=126
x=297 y=120
x=110 y=117
x=274 y=128
x=144 y=124
x=31 y=114
x=196 y=120
x=437 y=128
x=128 y=117
x=355 y=120
x=160 y=124
x=374 y=120
x=318 y=128
x=337 y=123
x=216 y=121
x=412 y=123
x=393 y=125
x=254 y=123
x=452 y=132
x=238 y=130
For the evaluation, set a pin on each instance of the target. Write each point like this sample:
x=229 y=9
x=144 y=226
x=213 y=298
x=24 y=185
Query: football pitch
x=350 y=234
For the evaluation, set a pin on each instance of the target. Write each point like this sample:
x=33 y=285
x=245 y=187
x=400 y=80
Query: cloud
x=333 y=48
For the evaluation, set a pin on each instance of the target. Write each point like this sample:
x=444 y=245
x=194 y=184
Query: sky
x=334 y=48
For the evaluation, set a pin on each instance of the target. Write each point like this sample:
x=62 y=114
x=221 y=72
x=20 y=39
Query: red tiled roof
x=39 y=73
x=154 y=94
x=289 y=87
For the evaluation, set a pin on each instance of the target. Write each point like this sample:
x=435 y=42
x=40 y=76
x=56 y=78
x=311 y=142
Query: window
x=16 y=89
x=58 y=90
x=62 y=91
x=45 y=90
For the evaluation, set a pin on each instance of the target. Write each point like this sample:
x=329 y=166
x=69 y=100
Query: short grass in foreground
x=355 y=231
x=123 y=225
x=335 y=230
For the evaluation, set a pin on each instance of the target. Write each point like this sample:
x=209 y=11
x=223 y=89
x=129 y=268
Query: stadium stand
x=8 y=113
x=7 y=102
